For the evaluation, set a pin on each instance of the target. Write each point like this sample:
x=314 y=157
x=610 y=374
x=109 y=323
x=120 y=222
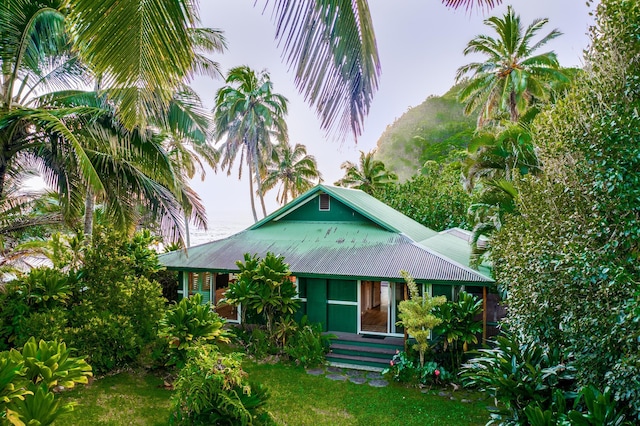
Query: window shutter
x=324 y=202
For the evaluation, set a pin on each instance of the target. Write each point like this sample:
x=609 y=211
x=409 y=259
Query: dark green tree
x=569 y=262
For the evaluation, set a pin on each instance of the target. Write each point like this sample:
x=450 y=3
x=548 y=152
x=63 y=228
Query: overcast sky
x=420 y=43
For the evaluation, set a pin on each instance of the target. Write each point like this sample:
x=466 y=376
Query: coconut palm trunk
x=89 y=204
x=251 y=193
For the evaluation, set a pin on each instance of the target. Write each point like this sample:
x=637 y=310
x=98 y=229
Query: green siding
x=310 y=212
x=302 y=311
x=345 y=290
x=342 y=318
x=442 y=290
x=180 y=285
x=302 y=288
x=317 y=301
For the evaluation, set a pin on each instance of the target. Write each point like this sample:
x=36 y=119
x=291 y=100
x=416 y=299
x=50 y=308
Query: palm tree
x=58 y=130
x=498 y=153
x=512 y=74
x=496 y=157
x=368 y=176
x=248 y=114
x=293 y=168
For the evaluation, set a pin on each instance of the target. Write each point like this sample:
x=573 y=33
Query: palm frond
x=332 y=49
x=136 y=44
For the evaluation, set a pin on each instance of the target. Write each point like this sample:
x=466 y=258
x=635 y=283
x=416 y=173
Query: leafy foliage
x=213 y=389
x=263 y=289
x=27 y=379
x=417 y=317
x=405 y=369
x=307 y=345
x=569 y=263
x=433 y=198
x=106 y=308
x=190 y=323
x=518 y=375
x=458 y=328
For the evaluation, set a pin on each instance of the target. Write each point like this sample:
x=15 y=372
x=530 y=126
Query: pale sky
x=420 y=43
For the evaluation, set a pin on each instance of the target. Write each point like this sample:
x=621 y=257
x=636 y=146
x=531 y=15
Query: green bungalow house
x=345 y=250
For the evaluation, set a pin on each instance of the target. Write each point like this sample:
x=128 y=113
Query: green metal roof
x=363 y=203
x=454 y=244
x=341 y=249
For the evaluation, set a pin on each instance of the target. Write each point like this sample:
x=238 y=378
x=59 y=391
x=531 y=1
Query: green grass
x=128 y=398
x=297 y=398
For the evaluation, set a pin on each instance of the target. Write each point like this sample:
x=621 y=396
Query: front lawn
x=297 y=398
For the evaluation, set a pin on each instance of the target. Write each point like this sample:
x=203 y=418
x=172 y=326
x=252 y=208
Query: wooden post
x=406 y=297
x=484 y=315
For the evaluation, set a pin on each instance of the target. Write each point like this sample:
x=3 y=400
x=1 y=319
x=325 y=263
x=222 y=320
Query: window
x=324 y=202
x=206 y=281
x=193 y=283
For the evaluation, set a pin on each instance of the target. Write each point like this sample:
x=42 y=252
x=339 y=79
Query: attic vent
x=324 y=203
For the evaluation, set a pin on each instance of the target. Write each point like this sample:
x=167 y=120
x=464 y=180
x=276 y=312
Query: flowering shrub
x=404 y=369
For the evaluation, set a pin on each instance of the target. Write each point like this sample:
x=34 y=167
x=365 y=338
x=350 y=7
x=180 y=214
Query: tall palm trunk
x=256 y=165
x=513 y=107
x=251 y=193
x=89 y=204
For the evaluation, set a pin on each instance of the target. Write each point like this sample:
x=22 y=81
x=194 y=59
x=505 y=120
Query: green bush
x=110 y=340
x=518 y=375
x=46 y=325
x=213 y=389
x=307 y=346
x=263 y=290
x=458 y=328
x=190 y=323
x=406 y=369
x=27 y=379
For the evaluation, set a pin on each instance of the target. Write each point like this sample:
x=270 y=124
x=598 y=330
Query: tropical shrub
x=213 y=389
x=434 y=197
x=35 y=305
x=458 y=328
x=406 y=369
x=28 y=377
x=110 y=340
x=263 y=289
x=307 y=346
x=107 y=307
x=417 y=317
x=519 y=375
x=190 y=323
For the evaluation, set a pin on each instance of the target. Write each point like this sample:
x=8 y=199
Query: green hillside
x=429 y=131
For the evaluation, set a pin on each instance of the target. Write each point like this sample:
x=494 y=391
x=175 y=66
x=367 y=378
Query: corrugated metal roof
x=454 y=244
x=361 y=250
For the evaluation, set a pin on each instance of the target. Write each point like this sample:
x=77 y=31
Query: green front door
x=317 y=301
